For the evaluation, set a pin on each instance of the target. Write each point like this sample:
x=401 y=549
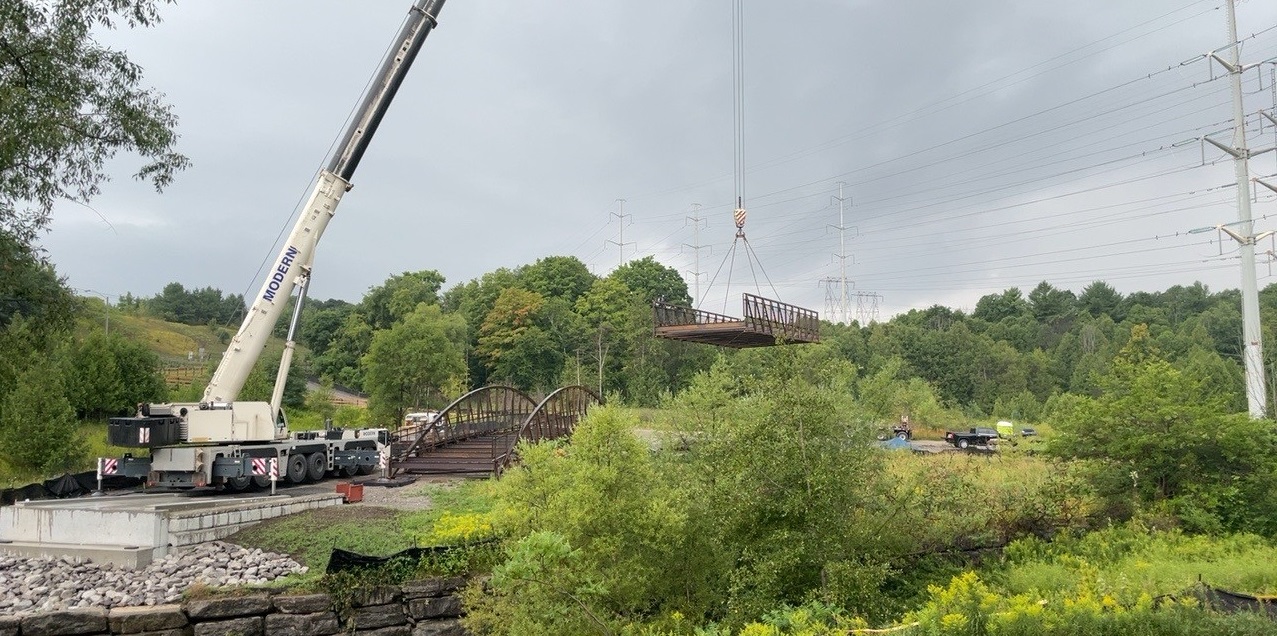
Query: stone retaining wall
x=420 y=608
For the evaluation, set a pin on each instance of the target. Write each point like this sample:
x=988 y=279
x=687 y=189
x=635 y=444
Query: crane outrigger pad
x=766 y=323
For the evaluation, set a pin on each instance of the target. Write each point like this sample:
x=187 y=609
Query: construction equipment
x=213 y=442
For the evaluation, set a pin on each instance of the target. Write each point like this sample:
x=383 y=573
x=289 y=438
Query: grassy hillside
x=172 y=341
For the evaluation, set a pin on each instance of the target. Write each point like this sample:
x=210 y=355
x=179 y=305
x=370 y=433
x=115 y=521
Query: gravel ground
x=411 y=497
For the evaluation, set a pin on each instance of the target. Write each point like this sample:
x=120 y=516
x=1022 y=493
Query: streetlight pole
x=106 y=306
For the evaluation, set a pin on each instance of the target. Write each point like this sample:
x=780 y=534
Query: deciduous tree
x=408 y=365
x=69 y=104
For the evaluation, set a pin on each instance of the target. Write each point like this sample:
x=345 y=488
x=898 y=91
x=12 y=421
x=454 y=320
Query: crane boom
x=295 y=260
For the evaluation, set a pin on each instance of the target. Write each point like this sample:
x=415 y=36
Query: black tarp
x=1233 y=602
x=68 y=485
x=341 y=560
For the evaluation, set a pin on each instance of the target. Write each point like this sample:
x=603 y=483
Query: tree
x=1155 y=431
x=38 y=430
x=319 y=325
x=651 y=281
x=610 y=311
x=995 y=307
x=340 y=361
x=95 y=388
x=409 y=364
x=1099 y=298
x=68 y=105
x=386 y=304
x=515 y=344
x=141 y=377
x=31 y=288
x=564 y=277
x=473 y=300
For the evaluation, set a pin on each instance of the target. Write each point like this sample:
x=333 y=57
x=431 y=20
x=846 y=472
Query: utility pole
x=620 y=239
x=1253 y=353
x=696 y=219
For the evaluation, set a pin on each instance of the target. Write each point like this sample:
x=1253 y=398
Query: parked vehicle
x=901 y=431
x=979 y=436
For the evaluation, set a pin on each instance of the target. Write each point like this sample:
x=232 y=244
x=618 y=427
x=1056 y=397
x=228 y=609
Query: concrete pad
x=131 y=556
x=132 y=530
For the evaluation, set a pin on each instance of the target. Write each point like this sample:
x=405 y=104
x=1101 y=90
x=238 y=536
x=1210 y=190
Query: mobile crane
x=214 y=442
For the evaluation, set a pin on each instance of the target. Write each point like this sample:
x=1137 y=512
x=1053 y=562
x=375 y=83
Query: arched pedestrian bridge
x=478 y=432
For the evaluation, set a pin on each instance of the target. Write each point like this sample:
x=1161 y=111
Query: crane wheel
x=347 y=471
x=261 y=481
x=296 y=472
x=238 y=484
x=363 y=469
x=316 y=466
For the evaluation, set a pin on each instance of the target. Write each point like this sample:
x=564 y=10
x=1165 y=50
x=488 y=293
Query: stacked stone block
x=419 y=608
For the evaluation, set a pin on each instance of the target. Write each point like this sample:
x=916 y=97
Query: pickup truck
x=977 y=436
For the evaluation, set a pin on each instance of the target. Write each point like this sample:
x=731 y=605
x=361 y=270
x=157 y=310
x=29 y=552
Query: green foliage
x=409 y=364
x=69 y=104
x=562 y=277
x=37 y=423
x=516 y=344
x=1108 y=582
x=653 y=281
x=1153 y=432
x=29 y=287
x=595 y=536
x=197 y=306
x=392 y=301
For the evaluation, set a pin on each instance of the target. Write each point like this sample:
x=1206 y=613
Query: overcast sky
x=984 y=144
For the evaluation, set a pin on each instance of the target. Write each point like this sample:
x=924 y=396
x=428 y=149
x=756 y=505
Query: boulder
x=442 y=607
x=244 y=626
x=316 y=624
x=307 y=604
x=87 y=620
x=377 y=616
x=228 y=606
x=432 y=587
x=135 y=620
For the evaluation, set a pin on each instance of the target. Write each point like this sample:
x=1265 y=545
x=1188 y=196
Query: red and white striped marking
x=274 y=468
x=259 y=465
x=108 y=466
x=739 y=216
x=144 y=435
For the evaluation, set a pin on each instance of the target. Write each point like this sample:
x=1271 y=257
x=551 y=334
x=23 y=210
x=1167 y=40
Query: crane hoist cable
x=738 y=161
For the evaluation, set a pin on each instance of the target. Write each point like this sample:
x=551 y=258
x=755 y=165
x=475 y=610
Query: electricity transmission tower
x=838 y=294
x=695 y=219
x=620 y=238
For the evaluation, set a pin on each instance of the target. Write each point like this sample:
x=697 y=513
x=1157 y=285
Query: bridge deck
x=766 y=323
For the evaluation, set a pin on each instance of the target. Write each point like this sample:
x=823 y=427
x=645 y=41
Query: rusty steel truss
x=766 y=323
x=480 y=431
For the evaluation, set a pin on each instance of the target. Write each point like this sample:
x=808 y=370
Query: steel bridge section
x=479 y=432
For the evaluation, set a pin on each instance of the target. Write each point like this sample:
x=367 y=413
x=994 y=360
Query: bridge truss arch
x=479 y=431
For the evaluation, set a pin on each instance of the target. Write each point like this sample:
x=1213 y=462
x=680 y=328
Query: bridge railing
x=483 y=411
x=501 y=416
x=554 y=418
